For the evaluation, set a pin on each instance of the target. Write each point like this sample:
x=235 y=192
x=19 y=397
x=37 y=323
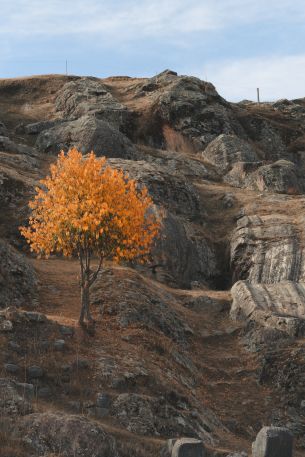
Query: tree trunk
x=86 y=281
x=85 y=303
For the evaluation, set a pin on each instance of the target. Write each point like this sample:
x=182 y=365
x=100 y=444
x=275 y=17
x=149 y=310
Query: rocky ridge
x=169 y=359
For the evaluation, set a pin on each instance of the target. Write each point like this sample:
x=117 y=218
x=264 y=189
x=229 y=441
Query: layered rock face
x=267 y=249
x=278 y=306
x=267 y=253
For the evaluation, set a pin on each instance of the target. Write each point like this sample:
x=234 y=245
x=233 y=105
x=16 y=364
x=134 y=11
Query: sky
x=238 y=45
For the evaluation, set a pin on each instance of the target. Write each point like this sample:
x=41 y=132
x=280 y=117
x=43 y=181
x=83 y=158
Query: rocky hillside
x=207 y=340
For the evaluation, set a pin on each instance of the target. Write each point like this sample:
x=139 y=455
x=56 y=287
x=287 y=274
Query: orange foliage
x=85 y=205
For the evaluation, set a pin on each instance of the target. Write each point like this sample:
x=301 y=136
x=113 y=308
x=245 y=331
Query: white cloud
x=133 y=19
x=277 y=77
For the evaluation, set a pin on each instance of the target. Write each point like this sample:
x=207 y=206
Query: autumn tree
x=85 y=208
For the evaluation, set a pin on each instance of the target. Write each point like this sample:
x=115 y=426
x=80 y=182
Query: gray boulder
x=59 y=345
x=281 y=176
x=241 y=173
x=226 y=150
x=37 y=127
x=183 y=254
x=86 y=133
x=11 y=368
x=174 y=192
x=90 y=96
x=273 y=442
x=177 y=163
x=279 y=306
x=192 y=112
x=34 y=372
x=266 y=136
x=188 y=447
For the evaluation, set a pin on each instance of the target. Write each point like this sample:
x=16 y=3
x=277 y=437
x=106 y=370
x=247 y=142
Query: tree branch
x=94 y=276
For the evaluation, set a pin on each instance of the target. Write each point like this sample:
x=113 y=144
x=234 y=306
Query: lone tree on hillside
x=86 y=208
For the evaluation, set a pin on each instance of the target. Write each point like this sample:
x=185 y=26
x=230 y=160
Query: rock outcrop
x=267 y=250
x=13 y=400
x=86 y=133
x=272 y=441
x=225 y=150
x=279 y=306
x=281 y=176
x=89 y=96
x=45 y=433
x=18 y=280
x=136 y=302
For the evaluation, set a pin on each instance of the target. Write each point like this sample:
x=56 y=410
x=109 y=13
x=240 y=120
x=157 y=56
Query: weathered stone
x=183 y=254
x=25 y=389
x=34 y=316
x=34 y=372
x=135 y=303
x=188 y=447
x=3 y=130
x=273 y=442
x=44 y=392
x=66 y=331
x=6 y=325
x=278 y=306
x=147 y=415
x=281 y=176
x=205 y=304
x=90 y=96
x=228 y=201
x=37 y=127
x=8 y=145
x=101 y=412
x=59 y=345
x=15 y=346
x=18 y=282
x=238 y=454
x=173 y=192
x=103 y=400
x=11 y=368
x=12 y=402
x=67 y=434
x=87 y=133
x=191 y=111
x=81 y=363
x=267 y=249
x=226 y=150
x=266 y=136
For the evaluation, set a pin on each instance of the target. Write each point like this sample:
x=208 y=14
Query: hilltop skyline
x=237 y=45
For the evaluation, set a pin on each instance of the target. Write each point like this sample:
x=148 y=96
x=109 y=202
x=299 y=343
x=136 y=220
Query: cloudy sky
x=238 y=45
